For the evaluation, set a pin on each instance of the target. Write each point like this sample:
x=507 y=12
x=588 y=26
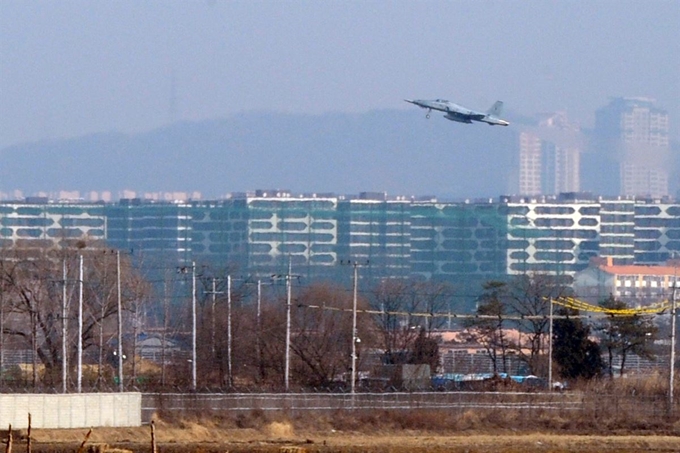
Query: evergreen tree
x=577 y=355
x=425 y=351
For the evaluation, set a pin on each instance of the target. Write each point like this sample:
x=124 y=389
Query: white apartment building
x=634 y=133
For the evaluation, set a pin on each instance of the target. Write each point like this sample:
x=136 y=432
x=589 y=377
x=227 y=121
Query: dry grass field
x=627 y=416
x=284 y=436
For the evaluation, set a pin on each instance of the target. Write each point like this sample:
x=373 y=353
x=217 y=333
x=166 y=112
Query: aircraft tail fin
x=496 y=109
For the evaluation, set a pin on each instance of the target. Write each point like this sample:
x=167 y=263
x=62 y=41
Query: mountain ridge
x=392 y=151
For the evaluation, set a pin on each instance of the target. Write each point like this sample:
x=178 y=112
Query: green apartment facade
x=260 y=234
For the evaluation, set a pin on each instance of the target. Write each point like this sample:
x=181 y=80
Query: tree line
x=242 y=332
x=516 y=323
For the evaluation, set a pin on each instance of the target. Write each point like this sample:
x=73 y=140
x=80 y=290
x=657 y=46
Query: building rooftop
x=605 y=265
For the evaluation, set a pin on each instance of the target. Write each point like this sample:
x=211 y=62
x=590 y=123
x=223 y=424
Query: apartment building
x=375 y=232
x=552 y=235
x=283 y=230
x=633 y=134
x=153 y=233
x=458 y=240
x=263 y=232
x=549 y=157
x=37 y=222
x=530 y=164
x=657 y=231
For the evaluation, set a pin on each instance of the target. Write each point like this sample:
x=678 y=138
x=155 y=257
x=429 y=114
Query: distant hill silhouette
x=399 y=152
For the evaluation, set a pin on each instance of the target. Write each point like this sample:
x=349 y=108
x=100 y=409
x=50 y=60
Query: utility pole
x=671 y=374
x=135 y=336
x=354 y=329
x=80 y=326
x=550 y=348
x=119 y=303
x=193 y=326
x=355 y=337
x=259 y=328
x=230 y=374
x=164 y=335
x=289 y=299
x=64 y=329
x=212 y=318
x=286 y=375
x=214 y=293
x=2 y=333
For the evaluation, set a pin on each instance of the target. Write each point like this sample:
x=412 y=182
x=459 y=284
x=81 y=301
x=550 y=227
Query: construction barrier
x=82 y=410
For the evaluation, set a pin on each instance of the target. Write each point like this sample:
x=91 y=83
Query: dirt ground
x=280 y=437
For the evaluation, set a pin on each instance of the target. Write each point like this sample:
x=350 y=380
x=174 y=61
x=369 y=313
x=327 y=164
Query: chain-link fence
x=634 y=409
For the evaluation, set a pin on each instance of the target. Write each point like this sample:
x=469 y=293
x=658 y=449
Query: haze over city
x=78 y=68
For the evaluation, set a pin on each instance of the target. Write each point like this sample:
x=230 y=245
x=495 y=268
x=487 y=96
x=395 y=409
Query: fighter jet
x=460 y=114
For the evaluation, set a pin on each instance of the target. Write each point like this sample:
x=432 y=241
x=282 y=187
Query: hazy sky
x=74 y=67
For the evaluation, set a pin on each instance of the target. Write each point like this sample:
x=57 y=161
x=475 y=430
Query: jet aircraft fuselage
x=460 y=114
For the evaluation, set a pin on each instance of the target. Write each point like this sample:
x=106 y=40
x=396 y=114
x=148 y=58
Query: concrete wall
x=84 y=410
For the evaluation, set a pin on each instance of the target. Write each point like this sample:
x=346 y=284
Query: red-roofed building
x=630 y=283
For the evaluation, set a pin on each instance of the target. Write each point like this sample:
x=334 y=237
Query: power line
x=598 y=313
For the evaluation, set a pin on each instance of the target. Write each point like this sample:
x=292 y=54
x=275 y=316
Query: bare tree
x=529 y=298
x=28 y=279
x=270 y=361
x=33 y=282
x=261 y=327
x=397 y=329
x=432 y=298
x=625 y=335
x=489 y=329
x=322 y=336
x=406 y=308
